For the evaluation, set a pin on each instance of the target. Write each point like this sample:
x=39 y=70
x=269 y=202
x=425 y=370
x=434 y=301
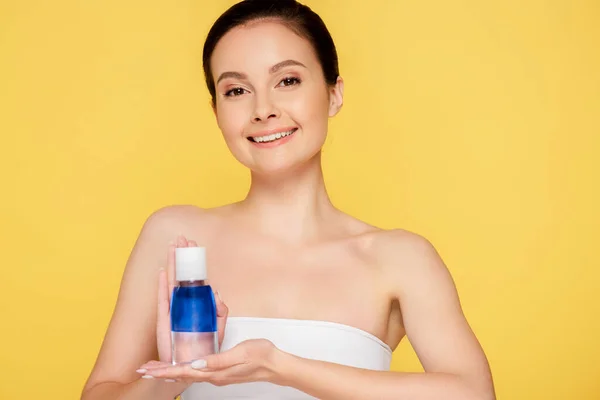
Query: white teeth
x=273 y=137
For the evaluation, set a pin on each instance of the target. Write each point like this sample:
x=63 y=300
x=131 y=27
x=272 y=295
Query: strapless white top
x=317 y=340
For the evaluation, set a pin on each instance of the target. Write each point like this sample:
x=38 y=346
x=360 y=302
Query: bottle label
x=193 y=309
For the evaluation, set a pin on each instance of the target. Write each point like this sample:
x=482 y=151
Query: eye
x=289 y=81
x=238 y=91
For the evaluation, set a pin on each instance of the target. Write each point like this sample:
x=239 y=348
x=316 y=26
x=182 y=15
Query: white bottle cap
x=190 y=263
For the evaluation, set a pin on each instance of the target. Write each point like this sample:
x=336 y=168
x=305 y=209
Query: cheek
x=311 y=108
x=230 y=120
x=314 y=109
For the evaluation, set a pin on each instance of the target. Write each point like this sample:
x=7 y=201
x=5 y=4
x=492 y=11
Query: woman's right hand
x=166 y=283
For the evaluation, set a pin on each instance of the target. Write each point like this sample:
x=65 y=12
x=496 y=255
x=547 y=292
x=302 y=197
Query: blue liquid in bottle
x=193 y=309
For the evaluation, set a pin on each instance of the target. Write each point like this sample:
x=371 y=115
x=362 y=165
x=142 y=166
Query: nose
x=264 y=109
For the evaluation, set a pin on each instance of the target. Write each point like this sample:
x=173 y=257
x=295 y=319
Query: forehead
x=260 y=45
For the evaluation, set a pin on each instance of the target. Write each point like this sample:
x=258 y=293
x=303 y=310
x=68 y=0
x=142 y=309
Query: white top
x=318 y=340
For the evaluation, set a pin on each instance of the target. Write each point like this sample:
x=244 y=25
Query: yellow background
x=474 y=123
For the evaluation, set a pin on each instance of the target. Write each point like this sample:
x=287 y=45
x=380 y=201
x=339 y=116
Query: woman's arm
x=454 y=363
x=327 y=381
x=136 y=390
x=131 y=336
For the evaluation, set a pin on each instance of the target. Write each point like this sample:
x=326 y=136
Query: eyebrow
x=272 y=70
x=284 y=64
x=236 y=75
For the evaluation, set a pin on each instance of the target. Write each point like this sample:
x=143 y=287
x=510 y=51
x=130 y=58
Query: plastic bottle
x=193 y=308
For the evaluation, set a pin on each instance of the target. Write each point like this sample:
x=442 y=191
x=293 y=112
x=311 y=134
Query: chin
x=294 y=155
x=275 y=169
x=282 y=166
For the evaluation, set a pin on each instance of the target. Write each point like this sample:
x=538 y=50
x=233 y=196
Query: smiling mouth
x=271 y=138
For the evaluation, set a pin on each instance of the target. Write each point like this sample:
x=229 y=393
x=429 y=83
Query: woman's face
x=272 y=101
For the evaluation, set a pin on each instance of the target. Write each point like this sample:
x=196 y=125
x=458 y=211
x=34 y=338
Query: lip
x=272 y=131
x=276 y=143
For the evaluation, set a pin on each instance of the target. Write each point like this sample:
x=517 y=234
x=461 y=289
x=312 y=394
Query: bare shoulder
x=408 y=258
x=170 y=221
x=164 y=226
x=175 y=216
x=393 y=248
x=399 y=247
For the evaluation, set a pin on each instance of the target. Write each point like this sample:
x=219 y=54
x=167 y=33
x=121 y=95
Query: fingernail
x=141 y=371
x=199 y=364
x=170 y=380
x=219 y=296
x=148 y=377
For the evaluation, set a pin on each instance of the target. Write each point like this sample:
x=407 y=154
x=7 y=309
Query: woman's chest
x=328 y=283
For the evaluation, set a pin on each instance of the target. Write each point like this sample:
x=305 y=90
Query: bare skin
x=286 y=251
x=318 y=280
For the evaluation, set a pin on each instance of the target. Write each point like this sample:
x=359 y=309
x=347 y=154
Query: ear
x=336 y=97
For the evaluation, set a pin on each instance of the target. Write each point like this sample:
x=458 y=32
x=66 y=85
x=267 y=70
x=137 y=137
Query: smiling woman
x=279 y=89
x=316 y=300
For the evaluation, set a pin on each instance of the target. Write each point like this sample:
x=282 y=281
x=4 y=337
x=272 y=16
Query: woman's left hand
x=249 y=361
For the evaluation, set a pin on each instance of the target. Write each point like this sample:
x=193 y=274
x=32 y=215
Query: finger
x=222 y=313
x=222 y=309
x=185 y=374
x=192 y=243
x=163 y=331
x=152 y=365
x=218 y=361
x=182 y=241
x=178 y=372
x=171 y=269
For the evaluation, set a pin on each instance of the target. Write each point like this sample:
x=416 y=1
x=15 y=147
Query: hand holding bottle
x=166 y=284
x=253 y=360
x=249 y=361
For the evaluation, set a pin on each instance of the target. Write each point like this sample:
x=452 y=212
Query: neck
x=293 y=205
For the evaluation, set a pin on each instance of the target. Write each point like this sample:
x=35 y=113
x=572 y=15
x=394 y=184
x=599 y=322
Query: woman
x=316 y=299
